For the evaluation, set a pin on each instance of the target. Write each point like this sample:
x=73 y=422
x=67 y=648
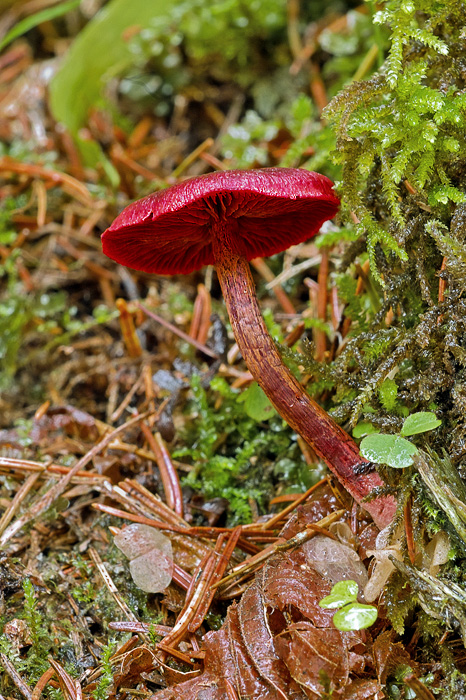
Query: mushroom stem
x=330 y=442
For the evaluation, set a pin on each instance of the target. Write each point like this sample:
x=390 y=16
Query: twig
x=264 y=270
x=200 y=594
x=17 y=500
x=294 y=38
x=67 y=685
x=69 y=184
x=111 y=586
x=281 y=543
x=128 y=329
x=293 y=271
x=127 y=400
x=42 y=682
x=320 y=335
x=289 y=509
x=200 y=321
x=139 y=627
x=223 y=559
x=135 y=518
x=408 y=524
x=181 y=334
x=168 y=473
x=15 y=677
x=25 y=465
x=194 y=155
x=55 y=491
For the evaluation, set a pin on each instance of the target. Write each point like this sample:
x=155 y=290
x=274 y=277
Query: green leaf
x=392 y=450
x=388 y=391
x=256 y=403
x=7 y=237
x=420 y=422
x=100 y=51
x=362 y=429
x=342 y=593
x=37 y=18
x=355 y=616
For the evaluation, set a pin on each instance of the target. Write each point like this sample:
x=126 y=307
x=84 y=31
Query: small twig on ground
x=107 y=579
x=266 y=273
x=15 y=504
x=42 y=682
x=168 y=473
x=202 y=310
x=320 y=335
x=15 y=677
x=55 y=491
x=281 y=543
x=69 y=184
x=273 y=522
x=291 y=272
x=181 y=334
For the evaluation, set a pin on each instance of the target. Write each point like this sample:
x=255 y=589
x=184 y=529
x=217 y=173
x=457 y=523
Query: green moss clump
x=401 y=148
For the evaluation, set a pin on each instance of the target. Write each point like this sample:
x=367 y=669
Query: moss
x=400 y=145
x=401 y=149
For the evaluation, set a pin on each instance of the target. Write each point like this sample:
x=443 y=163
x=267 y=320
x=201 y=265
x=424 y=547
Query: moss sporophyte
x=226 y=219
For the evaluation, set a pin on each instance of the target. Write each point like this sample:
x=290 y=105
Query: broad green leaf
x=99 y=52
x=355 y=616
x=256 y=403
x=420 y=423
x=342 y=593
x=392 y=450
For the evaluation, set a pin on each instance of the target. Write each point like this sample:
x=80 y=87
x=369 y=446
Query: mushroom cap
x=266 y=211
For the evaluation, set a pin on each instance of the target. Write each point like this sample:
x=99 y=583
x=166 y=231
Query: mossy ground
x=393 y=138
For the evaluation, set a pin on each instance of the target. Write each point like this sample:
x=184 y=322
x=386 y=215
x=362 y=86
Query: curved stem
x=330 y=442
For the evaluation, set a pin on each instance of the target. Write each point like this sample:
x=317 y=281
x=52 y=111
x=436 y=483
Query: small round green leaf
x=377 y=447
x=402 y=453
x=348 y=587
x=392 y=450
x=256 y=403
x=342 y=593
x=362 y=429
x=355 y=616
x=419 y=423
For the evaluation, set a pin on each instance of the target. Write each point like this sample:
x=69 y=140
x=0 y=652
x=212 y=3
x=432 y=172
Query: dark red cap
x=269 y=210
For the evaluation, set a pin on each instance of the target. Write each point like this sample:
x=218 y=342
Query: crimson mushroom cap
x=268 y=210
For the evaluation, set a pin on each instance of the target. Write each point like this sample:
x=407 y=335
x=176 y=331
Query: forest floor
x=124 y=400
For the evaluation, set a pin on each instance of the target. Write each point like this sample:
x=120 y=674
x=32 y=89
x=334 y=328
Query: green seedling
x=350 y=614
x=394 y=450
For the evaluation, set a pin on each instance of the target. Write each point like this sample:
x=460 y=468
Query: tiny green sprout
x=256 y=403
x=350 y=615
x=106 y=678
x=355 y=616
x=420 y=422
x=395 y=450
x=362 y=429
x=342 y=593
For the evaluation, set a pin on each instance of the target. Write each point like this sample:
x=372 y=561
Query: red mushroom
x=226 y=219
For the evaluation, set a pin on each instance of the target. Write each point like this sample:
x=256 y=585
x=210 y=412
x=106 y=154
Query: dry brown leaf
x=277 y=643
x=135 y=662
x=388 y=655
x=67 y=419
